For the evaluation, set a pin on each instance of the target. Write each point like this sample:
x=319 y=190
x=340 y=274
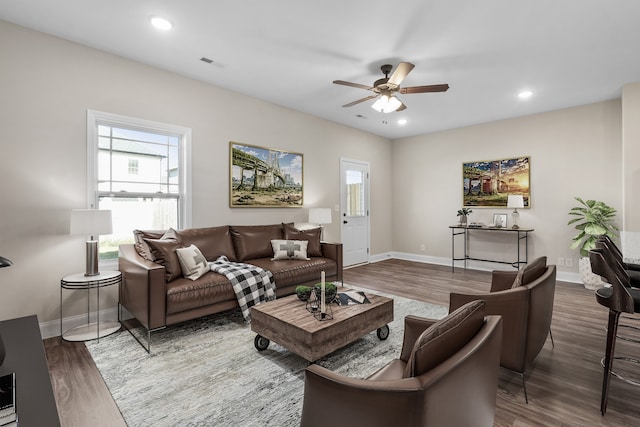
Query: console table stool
x=90 y=330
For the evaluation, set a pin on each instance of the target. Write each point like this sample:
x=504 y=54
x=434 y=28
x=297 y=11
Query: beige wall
x=631 y=170
x=573 y=152
x=47 y=85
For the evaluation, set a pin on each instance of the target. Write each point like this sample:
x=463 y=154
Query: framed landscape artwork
x=488 y=183
x=264 y=177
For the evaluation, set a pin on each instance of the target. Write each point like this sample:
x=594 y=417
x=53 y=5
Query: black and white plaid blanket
x=251 y=284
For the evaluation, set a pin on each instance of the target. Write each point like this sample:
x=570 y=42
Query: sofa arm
x=142 y=291
x=333 y=251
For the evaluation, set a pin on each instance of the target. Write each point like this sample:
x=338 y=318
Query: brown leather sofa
x=447 y=375
x=154 y=292
x=525 y=307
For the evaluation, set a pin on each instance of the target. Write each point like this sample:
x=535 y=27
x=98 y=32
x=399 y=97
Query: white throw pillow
x=192 y=262
x=289 y=249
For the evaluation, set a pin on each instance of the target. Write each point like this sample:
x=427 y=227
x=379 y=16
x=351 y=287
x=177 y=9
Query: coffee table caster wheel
x=383 y=332
x=261 y=343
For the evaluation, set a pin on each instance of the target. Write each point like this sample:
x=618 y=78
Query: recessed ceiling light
x=402 y=122
x=161 y=23
x=525 y=94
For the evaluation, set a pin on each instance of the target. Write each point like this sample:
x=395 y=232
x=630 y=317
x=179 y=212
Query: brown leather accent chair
x=619 y=298
x=447 y=375
x=524 y=299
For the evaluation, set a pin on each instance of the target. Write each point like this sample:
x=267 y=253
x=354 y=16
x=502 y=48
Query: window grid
x=137 y=173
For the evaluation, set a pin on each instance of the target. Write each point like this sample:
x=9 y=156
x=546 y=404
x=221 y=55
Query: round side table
x=90 y=330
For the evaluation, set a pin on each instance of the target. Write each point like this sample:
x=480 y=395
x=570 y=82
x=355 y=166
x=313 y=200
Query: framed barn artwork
x=488 y=183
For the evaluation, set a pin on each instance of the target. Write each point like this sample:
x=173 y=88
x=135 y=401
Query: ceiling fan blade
x=423 y=89
x=358 y=85
x=400 y=73
x=351 y=104
x=401 y=107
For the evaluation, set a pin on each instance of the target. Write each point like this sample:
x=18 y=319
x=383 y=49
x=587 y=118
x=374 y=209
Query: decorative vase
x=303 y=294
x=329 y=294
x=463 y=220
x=590 y=280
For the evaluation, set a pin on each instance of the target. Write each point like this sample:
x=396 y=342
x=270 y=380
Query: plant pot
x=463 y=220
x=303 y=292
x=590 y=280
x=329 y=293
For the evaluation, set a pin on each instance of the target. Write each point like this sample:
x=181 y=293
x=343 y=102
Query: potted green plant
x=303 y=292
x=592 y=219
x=463 y=213
x=330 y=291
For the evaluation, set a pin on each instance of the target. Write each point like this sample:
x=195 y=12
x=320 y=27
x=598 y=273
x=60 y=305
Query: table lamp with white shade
x=515 y=201
x=91 y=222
x=320 y=216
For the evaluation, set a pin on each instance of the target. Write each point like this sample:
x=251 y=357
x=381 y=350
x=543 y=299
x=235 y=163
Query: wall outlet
x=560 y=262
x=423 y=248
x=569 y=262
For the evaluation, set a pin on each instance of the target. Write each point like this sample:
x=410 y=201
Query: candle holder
x=313 y=306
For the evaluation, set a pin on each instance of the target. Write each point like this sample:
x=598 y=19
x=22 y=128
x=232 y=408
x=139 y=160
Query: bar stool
x=619 y=298
x=631 y=270
x=630 y=274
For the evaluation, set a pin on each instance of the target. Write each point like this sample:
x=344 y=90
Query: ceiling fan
x=386 y=88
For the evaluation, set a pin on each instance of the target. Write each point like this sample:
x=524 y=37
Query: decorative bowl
x=330 y=292
x=303 y=292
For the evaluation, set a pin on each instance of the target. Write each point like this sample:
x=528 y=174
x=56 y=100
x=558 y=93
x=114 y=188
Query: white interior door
x=354 y=211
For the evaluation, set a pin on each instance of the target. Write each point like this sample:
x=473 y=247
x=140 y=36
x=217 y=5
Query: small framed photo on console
x=499 y=220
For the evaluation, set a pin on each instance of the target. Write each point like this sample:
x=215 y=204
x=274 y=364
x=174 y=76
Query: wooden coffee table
x=287 y=321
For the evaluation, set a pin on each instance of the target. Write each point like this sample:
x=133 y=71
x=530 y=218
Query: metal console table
x=89 y=330
x=521 y=234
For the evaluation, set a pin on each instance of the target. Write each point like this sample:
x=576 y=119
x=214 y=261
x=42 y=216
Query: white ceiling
x=288 y=52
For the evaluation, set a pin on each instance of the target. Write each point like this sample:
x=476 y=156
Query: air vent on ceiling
x=207 y=60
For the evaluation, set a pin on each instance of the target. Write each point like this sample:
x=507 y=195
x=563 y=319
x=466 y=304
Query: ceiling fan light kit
x=386 y=104
x=385 y=88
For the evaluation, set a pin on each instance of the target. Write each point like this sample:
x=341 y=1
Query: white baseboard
x=563 y=276
x=52 y=328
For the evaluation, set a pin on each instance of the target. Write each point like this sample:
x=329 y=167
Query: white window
x=133 y=167
x=140 y=170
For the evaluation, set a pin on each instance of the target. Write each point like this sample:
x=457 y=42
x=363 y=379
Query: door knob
x=345 y=222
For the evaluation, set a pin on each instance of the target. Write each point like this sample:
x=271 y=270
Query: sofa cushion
x=254 y=241
x=192 y=262
x=184 y=294
x=164 y=251
x=212 y=241
x=289 y=249
x=530 y=272
x=288 y=272
x=311 y=235
x=141 y=246
x=444 y=338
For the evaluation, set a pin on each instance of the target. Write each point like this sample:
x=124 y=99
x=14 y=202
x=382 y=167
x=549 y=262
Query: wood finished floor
x=563 y=386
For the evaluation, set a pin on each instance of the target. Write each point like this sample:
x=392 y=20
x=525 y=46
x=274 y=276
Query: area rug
x=207 y=372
